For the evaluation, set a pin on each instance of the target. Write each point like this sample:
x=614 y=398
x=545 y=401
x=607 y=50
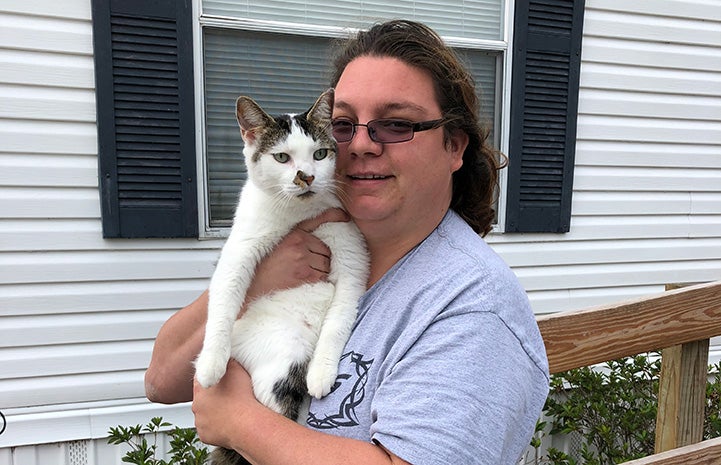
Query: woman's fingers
x=334 y=215
x=297 y=259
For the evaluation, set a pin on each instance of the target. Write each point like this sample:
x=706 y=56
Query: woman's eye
x=281 y=157
x=396 y=125
x=342 y=129
x=320 y=154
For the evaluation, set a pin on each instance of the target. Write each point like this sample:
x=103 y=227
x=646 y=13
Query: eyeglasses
x=385 y=131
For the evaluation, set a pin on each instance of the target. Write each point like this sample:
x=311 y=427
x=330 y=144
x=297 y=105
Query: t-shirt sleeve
x=458 y=394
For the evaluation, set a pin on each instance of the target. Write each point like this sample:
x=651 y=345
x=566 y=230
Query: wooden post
x=682 y=394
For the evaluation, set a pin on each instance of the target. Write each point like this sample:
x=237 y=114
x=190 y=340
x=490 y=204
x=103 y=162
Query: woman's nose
x=362 y=144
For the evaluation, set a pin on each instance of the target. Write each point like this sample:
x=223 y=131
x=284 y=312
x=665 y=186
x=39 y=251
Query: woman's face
x=405 y=184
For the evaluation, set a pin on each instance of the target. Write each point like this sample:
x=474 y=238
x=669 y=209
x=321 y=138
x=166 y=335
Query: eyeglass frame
x=414 y=126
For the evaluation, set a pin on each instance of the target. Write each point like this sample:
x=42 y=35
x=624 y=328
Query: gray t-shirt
x=445 y=364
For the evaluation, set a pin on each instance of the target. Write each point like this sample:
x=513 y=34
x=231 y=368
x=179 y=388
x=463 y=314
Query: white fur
x=309 y=322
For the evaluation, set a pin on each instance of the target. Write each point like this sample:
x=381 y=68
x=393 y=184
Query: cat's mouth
x=305 y=195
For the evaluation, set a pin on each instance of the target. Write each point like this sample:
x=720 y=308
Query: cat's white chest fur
x=304 y=326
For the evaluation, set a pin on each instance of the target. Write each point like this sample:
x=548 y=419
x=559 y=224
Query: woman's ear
x=456 y=146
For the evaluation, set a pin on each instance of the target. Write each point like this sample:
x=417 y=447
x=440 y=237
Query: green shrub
x=612 y=411
x=712 y=425
x=185 y=447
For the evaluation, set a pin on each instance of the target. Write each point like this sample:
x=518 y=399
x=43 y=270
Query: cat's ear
x=322 y=109
x=251 y=118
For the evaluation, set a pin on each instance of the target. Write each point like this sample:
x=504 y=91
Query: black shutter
x=544 y=107
x=145 y=110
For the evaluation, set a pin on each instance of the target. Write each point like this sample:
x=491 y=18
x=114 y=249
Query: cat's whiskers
x=281 y=200
x=339 y=191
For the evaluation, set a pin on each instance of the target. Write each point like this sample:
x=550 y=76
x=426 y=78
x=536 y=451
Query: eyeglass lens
x=384 y=130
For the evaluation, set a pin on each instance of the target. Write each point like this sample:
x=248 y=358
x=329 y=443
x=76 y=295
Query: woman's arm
x=169 y=378
x=228 y=415
x=300 y=257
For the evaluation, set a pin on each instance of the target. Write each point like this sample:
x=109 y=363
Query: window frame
x=502 y=91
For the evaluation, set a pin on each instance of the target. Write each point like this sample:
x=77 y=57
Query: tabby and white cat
x=290 y=342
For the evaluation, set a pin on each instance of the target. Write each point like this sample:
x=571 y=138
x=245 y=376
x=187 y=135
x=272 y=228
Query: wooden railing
x=680 y=322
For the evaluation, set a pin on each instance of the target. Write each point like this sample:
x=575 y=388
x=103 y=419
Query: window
x=279 y=54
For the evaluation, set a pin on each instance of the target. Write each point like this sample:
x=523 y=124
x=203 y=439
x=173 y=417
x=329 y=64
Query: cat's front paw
x=209 y=368
x=321 y=377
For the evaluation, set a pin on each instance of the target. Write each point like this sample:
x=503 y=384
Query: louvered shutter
x=544 y=106
x=146 y=135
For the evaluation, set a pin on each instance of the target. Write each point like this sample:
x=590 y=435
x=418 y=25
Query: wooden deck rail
x=679 y=322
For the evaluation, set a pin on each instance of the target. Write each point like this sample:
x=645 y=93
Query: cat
x=290 y=341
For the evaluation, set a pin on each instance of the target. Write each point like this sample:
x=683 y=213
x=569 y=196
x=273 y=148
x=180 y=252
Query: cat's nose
x=302 y=178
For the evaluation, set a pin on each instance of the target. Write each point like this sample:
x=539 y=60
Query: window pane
x=283 y=73
x=477 y=19
x=483 y=67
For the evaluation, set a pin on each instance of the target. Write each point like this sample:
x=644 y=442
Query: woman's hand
x=218 y=407
x=297 y=259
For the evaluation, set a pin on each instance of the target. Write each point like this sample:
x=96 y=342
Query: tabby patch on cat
x=290 y=341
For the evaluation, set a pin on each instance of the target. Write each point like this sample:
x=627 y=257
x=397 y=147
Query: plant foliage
x=612 y=411
x=185 y=447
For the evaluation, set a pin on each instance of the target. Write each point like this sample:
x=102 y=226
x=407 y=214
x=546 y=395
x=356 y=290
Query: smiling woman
x=388 y=189
x=449 y=84
x=420 y=372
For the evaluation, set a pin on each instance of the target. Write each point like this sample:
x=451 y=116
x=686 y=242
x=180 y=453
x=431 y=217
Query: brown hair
x=475 y=183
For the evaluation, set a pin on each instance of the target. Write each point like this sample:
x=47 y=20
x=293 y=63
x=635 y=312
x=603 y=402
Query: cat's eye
x=320 y=154
x=281 y=157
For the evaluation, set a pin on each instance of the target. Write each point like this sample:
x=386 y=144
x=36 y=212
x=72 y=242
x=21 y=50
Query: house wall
x=647 y=186
x=78 y=313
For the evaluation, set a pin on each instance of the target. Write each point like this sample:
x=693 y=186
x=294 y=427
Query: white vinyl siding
x=647 y=184
x=78 y=313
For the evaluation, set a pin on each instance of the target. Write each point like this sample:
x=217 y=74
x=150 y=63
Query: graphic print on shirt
x=349 y=388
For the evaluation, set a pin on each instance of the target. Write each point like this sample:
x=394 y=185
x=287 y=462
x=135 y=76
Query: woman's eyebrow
x=403 y=105
x=341 y=105
x=386 y=107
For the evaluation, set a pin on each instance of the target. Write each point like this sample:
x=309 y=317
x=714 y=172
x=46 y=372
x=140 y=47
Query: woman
x=445 y=364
